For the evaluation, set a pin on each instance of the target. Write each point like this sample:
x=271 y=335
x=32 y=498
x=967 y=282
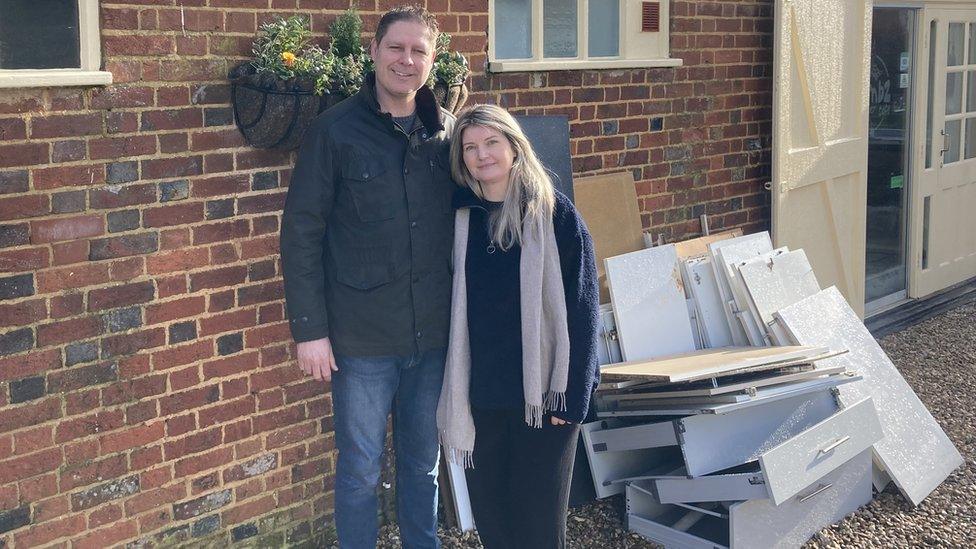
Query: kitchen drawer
x=756 y=523
x=606 y=467
x=708 y=443
x=789 y=467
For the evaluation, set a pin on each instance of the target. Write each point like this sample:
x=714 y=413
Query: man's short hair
x=414 y=13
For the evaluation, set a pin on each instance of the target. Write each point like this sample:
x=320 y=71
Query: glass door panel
x=892 y=78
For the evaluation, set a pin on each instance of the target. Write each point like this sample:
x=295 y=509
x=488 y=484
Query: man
x=365 y=243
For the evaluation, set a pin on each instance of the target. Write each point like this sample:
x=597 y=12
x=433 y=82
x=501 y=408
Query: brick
x=230 y=343
x=174 y=190
x=113 y=148
x=201 y=505
x=23 y=313
x=14 y=519
x=28 y=259
x=173 y=143
x=171 y=119
x=75 y=276
x=176 y=309
x=124 y=220
x=27 y=154
x=244 y=531
x=105 y=514
x=71 y=228
x=261 y=181
x=233 y=320
x=68 y=202
x=24 y=467
x=121 y=172
x=14 y=235
x=76 y=353
x=218 y=278
x=12 y=129
x=187 y=400
x=205 y=525
x=14 y=181
x=111 y=97
x=120 y=296
x=64 y=331
x=106 y=537
x=251 y=468
x=182 y=331
x=181 y=355
x=141 y=435
x=50 y=530
x=227 y=411
x=77 y=378
x=69 y=125
x=171 y=167
x=177 y=260
x=70 y=252
x=102 y=493
x=220 y=185
x=203 y=462
x=123 y=246
x=129 y=344
x=69 y=176
x=260 y=293
x=120 y=196
x=138 y=45
x=218 y=116
x=272 y=202
x=219 y=209
x=177 y=214
x=21 y=207
x=16 y=341
x=120 y=320
x=17 y=367
x=154 y=499
x=98 y=422
x=248 y=510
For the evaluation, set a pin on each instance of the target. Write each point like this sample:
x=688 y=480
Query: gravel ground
x=938 y=358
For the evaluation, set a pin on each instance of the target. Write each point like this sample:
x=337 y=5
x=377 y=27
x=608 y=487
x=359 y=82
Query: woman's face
x=489 y=157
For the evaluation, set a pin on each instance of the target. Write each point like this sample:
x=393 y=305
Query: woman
x=521 y=363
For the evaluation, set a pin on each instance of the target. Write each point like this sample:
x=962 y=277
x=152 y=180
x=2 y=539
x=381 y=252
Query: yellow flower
x=288 y=58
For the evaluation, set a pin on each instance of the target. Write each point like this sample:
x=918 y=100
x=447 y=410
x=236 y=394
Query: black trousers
x=519 y=487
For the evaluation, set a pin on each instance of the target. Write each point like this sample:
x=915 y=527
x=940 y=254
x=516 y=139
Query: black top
x=494 y=310
x=367 y=230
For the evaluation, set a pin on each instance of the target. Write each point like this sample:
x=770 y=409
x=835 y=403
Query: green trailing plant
x=352 y=62
x=450 y=67
x=283 y=49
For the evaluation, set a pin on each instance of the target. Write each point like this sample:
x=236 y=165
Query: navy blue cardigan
x=494 y=324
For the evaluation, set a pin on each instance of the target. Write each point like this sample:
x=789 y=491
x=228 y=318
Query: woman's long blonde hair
x=530 y=191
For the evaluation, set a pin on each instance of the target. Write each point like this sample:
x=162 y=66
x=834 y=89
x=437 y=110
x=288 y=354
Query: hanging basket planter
x=272 y=113
x=451 y=97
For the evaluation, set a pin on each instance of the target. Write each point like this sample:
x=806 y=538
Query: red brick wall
x=147 y=389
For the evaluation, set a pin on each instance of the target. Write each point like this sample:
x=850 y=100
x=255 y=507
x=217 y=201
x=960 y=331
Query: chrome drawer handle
x=834 y=445
x=816 y=492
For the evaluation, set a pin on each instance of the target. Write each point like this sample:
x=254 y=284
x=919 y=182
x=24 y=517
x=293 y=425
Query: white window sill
x=522 y=65
x=43 y=78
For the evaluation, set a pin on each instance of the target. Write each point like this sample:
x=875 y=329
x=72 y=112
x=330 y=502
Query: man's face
x=402 y=60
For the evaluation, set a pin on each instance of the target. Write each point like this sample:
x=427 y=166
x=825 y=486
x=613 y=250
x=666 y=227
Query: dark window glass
x=39 y=34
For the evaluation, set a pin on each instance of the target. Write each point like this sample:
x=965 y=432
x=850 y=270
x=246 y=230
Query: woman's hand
x=556 y=421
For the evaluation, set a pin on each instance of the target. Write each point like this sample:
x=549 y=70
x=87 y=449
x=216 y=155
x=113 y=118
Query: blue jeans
x=363 y=392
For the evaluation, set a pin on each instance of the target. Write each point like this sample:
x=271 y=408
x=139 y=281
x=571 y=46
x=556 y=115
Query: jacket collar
x=428 y=111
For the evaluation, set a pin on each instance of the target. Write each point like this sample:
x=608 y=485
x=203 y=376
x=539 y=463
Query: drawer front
x=606 y=467
x=711 y=443
x=670 y=526
x=732 y=487
x=635 y=437
x=761 y=523
x=801 y=460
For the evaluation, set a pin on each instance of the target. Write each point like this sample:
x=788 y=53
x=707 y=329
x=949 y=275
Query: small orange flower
x=288 y=58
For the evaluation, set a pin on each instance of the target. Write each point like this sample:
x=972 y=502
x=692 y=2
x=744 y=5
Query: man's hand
x=315 y=358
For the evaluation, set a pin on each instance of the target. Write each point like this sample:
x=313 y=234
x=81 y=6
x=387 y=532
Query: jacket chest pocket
x=371 y=191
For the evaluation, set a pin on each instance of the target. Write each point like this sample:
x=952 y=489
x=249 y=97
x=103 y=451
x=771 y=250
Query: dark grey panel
x=39 y=34
x=549 y=136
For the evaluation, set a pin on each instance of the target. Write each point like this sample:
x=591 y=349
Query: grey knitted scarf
x=545 y=338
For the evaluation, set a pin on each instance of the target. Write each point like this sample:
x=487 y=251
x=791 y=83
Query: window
x=50 y=43
x=535 y=35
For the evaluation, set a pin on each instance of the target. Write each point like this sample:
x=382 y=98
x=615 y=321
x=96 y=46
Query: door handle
x=945 y=142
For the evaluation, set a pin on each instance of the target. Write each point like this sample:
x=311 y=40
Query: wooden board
x=763 y=379
x=608 y=204
x=699 y=246
x=713 y=362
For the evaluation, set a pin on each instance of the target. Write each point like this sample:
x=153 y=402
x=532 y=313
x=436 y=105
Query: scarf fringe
x=457 y=456
x=553 y=401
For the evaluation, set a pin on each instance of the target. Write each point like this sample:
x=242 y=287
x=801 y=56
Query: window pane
x=513 y=29
x=971 y=91
x=970 y=137
x=954 y=93
x=957 y=35
x=972 y=43
x=604 y=28
x=39 y=34
x=560 y=28
x=929 y=109
x=952 y=129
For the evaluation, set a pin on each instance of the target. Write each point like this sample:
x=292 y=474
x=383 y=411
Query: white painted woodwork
x=821 y=51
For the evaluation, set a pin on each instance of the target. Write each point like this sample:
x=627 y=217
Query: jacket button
x=365 y=175
x=420 y=335
x=406 y=171
x=413 y=224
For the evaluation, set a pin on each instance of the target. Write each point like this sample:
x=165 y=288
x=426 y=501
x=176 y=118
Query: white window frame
x=637 y=49
x=89 y=72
